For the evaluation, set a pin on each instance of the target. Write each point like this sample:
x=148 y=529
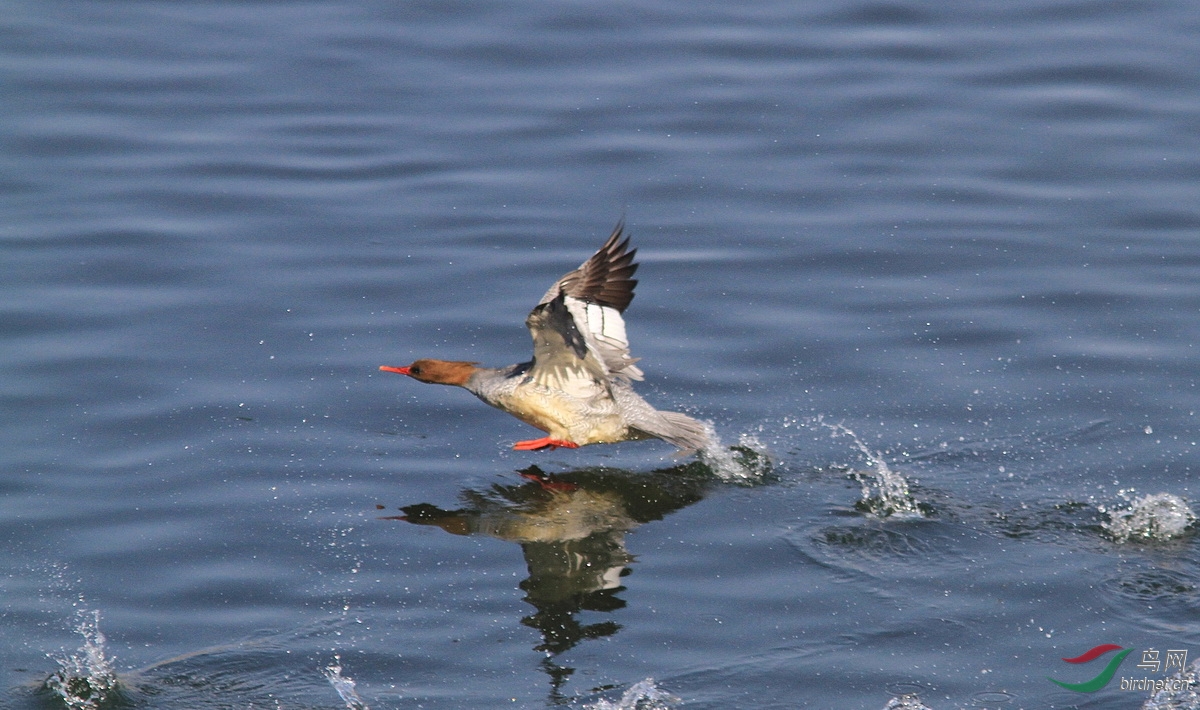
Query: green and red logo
x=1105 y=676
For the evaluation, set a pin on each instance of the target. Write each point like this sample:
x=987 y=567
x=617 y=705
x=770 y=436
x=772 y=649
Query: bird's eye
x=414 y=370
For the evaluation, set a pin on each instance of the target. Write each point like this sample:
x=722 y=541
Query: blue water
x=931 y=268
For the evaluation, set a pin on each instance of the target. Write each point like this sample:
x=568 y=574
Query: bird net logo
x=1153 y=661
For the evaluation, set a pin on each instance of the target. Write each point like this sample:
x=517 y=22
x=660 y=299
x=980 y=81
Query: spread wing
x=577 y=328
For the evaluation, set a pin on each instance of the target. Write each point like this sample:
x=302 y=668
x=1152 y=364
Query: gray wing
x=593 y=297
x=561 y=356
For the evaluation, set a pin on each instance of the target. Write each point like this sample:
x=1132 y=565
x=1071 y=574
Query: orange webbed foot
x=544 y=443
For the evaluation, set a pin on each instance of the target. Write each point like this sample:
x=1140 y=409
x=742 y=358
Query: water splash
x=85 y=680
x=1185 y=697
x=344 y=686
x=908 y=701
x=885 y=493
x=1156 y=517
x=745 y=462
x=643 y=695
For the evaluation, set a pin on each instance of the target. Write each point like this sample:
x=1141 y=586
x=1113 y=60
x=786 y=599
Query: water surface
x=932 y=269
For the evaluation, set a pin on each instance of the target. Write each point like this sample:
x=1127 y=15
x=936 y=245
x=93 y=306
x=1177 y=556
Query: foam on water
x=1156 y=517
x=344 y=686
x=85 y=679
x=643 y=695
x=906 y=702
x=1186 y=698
x=885 y=493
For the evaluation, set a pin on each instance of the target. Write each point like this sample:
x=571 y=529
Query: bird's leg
x=544 y=443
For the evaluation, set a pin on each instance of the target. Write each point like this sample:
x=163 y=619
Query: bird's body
x=578 y=386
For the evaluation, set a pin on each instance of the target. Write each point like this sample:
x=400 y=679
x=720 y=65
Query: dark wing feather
x=606 y=278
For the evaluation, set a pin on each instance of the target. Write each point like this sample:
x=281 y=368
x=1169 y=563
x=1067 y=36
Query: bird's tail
x=678 y=429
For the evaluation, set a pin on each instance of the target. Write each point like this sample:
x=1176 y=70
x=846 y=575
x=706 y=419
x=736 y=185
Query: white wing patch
x=605 y=323
x=604 y=330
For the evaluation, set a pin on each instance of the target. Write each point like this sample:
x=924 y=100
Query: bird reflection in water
x=571 y=528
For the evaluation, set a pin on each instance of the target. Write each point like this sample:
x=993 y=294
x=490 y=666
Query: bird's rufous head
x=437 y=372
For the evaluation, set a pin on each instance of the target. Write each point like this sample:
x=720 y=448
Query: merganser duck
x=578 y=386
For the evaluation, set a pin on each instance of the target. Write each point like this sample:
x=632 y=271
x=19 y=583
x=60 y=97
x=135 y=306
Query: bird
x=578 y=386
